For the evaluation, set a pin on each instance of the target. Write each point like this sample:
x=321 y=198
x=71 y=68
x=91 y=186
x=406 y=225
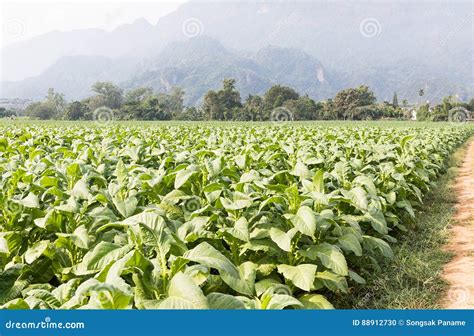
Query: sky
x=21 y=20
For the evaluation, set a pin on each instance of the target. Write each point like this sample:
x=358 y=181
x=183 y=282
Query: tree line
x=278 y=102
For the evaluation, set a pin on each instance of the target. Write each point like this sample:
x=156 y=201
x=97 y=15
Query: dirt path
x=460 y=271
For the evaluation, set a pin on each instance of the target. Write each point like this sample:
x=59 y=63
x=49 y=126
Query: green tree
x=470 y=105
x=173 y=103
x=254 y=109
x=41 y=110
x=277 y=95
x=304 y=108
x=133 y=103
x=109 y=94
x=6 y=113
x=57 y=100
x=347 y=101
x=224 y=104
x=395 y=100
x=137 y=95
x=212 y=107
x=76 y=111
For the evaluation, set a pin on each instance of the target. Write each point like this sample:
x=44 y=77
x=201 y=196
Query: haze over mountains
x=318 y=48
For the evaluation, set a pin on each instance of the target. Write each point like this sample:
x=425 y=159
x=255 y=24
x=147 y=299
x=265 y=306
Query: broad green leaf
x=329 y=256
x=15 y=304
x=332 y=281
x=282 y=239
x=4 y=246
x=126 y=207
x=182 y=287
x=280 y=301
x=30 y=201
x=350 y=242
x=318 y=181
x=101 y=256
x=224 y=301
x=245 y=283
x=315 y=301
x=81 y=190
x=305 y=221
x=182 y=177
x=207 y=255
x=240 y=229
x=35 y=251
x=377 y=219
x=302 y=276
x=356 y=277
x=80 y=237
x=378 y=244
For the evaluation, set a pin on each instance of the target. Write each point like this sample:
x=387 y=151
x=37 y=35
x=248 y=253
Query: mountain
x=196 y=65
x=201 y=63
x=32 y=57
x=73 y=76
x=392 y=46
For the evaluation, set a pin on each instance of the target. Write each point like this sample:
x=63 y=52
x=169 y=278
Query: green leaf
x=15 y=304
x=318 y=181
x=80 y=237
x=356 y=277
x=224 y=301
x=35 y=251
x=332 y=281
x=4 y=246
x=280 y=301
x=240 y=229
x=81 y=190
x=301 y=170
x=46 y=296
x=378 y=244
x=282 y=239
x=302 y=276
x=207 y=255
x=358 y=197
x=405 y=140
x=30 y=201
x=126 y=207
x=182 y=177
x=245 y=283
x=182 y=288
x=315 y=301
x=101 y=256
x=350 y=242
x=329 y=256
x=11 y=283
x=305 y=221
x=377 y=219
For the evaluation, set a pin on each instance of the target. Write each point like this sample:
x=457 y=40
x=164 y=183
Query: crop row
x=205 y=217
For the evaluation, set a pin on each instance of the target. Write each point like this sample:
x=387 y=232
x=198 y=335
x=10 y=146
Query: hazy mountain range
x=318 y=48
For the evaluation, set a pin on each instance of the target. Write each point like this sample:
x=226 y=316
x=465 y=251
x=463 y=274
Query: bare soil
x=459 y=273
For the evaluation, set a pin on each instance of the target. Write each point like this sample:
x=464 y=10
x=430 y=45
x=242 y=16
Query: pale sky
x=21 y=20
